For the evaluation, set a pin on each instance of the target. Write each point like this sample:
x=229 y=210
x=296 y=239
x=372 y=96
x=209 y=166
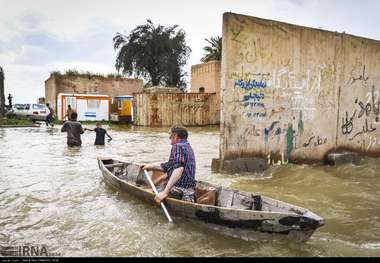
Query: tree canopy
x=156 y=53
x=213 y=52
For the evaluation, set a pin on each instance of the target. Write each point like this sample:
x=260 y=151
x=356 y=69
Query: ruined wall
x=207 y=75
x=94 y=85
x=167 y=109
x=51 y=92
x=287 y=90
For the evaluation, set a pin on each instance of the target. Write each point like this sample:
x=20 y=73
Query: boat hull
x=244 y=224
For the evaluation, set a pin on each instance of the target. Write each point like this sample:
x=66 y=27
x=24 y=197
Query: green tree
x=2 y=97
x=156 y=53
x=213 y=52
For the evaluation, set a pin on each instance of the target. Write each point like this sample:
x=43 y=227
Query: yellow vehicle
x=122 y=109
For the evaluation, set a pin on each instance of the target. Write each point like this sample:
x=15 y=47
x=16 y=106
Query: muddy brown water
x=55 y=197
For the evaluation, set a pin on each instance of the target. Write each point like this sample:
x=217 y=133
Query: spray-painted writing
x=372 y=105
x=253 y=105
x=316 y=141
x=361 y=77
x=254 y=96
x=348 y=123
x=365 y=109
x=250 y=84
x=366 y=129
x=246 y=76
x=256 y=114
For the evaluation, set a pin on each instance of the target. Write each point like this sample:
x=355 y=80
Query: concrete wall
x=207 y=75
x=93 y=85
x=51 y=92
x=358 y=126
x=167 y=109
x=162 y=89
x=297 y=93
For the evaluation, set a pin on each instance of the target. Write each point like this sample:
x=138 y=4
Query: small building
x=79 y=83
x=206 y=78
x=122 y=109
x=90 y=107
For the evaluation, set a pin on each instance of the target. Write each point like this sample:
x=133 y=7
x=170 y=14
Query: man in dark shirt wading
x=180 y=169
x=100 y=134
x=49 y=117
x=74 y=130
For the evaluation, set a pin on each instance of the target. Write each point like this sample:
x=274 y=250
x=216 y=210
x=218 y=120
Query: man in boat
x=74 y=130
x=179 y=170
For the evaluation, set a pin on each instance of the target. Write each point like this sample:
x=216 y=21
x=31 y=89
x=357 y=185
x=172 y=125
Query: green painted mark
x=300 y=124
x=289 y=140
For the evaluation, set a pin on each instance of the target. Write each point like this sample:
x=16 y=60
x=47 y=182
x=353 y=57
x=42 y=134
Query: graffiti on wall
x=276 y=97
x=286 y=137
x=252 y=92
x=286 y=79
x=295 y=138
x=250 y=84
x=274 y=130
x=244 y=75
x=360 y=124
x=292 y=91
x=362 y=76
x=307 y=95
x=280 y=79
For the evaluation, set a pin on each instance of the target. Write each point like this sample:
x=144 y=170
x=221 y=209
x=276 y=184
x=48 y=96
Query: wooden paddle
x=155 y=191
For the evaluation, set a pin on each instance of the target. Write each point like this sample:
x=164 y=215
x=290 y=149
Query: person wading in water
x=74 y=130
x=49 y=117
x=100 y=134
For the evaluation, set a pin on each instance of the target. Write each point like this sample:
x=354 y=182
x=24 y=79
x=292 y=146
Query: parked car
x=31 y=111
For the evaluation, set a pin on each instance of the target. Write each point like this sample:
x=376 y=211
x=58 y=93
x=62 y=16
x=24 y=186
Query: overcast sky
x=40 y=36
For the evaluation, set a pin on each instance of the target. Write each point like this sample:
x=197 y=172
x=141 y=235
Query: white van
x=30 y=111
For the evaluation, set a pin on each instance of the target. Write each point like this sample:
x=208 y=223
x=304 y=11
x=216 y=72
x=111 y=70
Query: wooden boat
x=241 y=214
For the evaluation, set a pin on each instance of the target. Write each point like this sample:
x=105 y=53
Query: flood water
x=54 y=196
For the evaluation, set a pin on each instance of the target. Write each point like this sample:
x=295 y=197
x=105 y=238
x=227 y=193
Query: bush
x=85 y=74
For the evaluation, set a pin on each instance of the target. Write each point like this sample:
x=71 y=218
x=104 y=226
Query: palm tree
x=2 y=98
x=213 y=52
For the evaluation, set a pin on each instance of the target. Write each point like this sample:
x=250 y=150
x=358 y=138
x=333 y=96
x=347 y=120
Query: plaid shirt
x=182 y=155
